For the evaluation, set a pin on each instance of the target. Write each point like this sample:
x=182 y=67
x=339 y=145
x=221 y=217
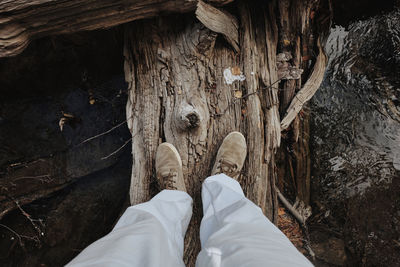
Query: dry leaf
x=238 y=94
x=235 y=70
x=286 y=42
x=92 y=101
x=281 y=212
x=290 y=227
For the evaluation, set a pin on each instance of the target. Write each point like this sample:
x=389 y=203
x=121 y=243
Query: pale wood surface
x=308 y=90
x=220 y=22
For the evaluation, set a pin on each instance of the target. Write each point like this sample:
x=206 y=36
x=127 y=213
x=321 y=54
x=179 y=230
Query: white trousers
x=233 y=232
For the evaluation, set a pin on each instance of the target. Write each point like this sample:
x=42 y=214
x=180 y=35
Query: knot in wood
x=193 y=119
x=188 y=118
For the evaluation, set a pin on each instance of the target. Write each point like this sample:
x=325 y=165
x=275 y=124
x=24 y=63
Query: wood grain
x=219 y=21
x=308 y=90
x=24 y=20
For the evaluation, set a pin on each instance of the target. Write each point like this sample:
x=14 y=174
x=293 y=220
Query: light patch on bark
x=230 y=77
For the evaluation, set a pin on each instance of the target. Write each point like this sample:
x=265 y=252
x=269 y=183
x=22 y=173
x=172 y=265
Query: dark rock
x=330 y=251
x=346 y=12
x=71 y=190
x=356 y=142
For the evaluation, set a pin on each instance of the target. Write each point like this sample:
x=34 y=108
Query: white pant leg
x=150 y=234
x=235 y=232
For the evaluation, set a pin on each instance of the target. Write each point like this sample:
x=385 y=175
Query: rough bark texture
x=24 y=20
x=175 y=66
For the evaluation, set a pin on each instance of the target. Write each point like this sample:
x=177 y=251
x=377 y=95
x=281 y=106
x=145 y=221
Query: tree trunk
x=178 y=93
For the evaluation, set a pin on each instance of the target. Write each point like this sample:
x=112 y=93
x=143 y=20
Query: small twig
x=28 y=216
x=247 y=95
x=116 y=151
x=301 y=220
x=104 y=133
x=20 y=237
x=309 y=249
x=15 y=233
x=290 y=208
x=127 y=141
x=264 y=88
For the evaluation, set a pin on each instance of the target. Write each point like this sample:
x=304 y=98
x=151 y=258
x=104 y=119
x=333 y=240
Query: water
x=356 y=122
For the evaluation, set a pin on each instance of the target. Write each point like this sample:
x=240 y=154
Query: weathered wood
x=178 y=94
x=308 y=90
x=219 y=21
x=170 y=78
x=24 y=20
x=298 y=32
x=183 y=71
x=301 y=155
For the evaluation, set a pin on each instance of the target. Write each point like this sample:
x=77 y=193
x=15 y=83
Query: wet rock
x=71 y=219
x=330 y=251
x=356 y=141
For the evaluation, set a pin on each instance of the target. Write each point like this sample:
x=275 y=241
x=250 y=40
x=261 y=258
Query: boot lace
x=169 y=180
x=229 y=168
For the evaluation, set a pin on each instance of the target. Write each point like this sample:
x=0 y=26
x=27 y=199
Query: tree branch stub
x=219 y=21
x=308 y=90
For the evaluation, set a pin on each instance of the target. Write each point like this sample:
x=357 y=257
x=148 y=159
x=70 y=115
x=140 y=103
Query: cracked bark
x=175 y=66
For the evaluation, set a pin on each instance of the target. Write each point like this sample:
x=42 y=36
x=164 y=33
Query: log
x=178 y=94
x=177 y=65
x=25 y=20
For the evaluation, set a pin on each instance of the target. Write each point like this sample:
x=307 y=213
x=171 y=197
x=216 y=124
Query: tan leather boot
x=231 y=155
x=169 y=168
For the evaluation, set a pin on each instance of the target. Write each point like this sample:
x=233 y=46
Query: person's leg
x=234 y=231
x=151 y=233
